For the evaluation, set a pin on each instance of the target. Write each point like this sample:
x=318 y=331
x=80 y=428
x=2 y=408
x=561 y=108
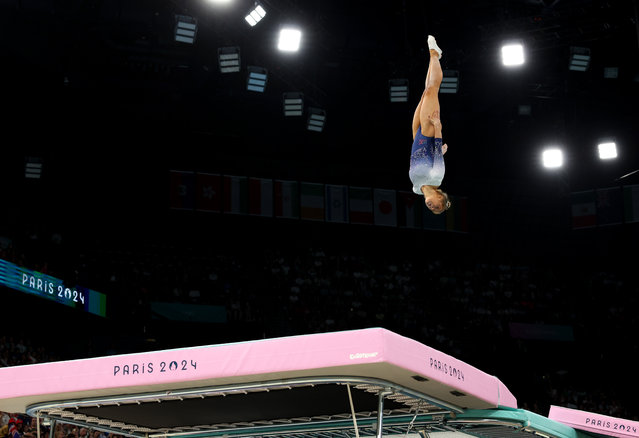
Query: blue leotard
x=426 y=162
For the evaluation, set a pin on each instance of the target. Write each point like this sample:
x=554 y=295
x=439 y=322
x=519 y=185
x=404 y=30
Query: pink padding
x=294 y=356
x=435 y=365
x=595 y=423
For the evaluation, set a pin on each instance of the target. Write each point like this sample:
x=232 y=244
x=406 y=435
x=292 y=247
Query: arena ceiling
x=96 y=86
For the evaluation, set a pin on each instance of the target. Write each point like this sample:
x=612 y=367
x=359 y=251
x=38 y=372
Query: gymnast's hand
x=444 y=148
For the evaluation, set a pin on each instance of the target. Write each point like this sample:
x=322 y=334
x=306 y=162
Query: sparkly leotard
x=426 y=162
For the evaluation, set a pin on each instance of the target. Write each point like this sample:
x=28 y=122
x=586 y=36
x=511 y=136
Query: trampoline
x=359 y=383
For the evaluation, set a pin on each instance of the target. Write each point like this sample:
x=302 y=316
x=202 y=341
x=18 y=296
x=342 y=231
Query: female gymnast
x=427 y=155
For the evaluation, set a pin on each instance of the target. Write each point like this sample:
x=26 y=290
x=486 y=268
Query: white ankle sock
x=432 y=45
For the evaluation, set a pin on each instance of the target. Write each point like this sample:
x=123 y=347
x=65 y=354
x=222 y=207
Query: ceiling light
x=398 y=90
x=607 y=150
x=290 y=39
x=512 y=54
x=293 y=104
x=552 y=158
x=316 y=119
x=579 y=59
x=229 y=59
x=185 y=29
x=255 y=15
x=256 y=79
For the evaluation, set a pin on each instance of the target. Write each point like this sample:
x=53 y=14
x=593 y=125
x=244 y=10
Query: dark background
x=100 y=92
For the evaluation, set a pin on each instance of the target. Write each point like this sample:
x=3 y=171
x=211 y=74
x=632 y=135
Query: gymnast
x=427 y=155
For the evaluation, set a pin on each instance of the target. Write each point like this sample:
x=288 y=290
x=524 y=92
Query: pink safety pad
x=375 y=352
x=595 y=423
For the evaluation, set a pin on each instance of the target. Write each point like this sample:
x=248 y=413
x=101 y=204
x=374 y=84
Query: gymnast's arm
x=438 y=132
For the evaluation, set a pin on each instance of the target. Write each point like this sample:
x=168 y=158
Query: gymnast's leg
x=429 y=103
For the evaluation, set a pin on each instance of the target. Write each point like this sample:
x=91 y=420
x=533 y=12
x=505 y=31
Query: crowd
x=464 y=306
x=23 y=426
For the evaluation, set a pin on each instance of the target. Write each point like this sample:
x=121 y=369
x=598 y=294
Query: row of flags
x=605 y=206
x=290 y=199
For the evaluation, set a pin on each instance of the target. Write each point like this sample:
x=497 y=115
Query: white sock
x=432 y=45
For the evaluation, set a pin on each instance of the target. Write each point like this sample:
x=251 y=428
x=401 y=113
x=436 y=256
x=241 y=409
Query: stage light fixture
x=611 y=72
x=316 y=119
x=229 y=59
x=33 y=168
x=398 y=90
x=579 y=59
x=607 y=150
x=552 y=158
x=185 y=29
x=255 y=15
x=289 y=40
x=524 y=110
x=512 y=54
x=450 y=82
x=293 y=104
x=256 y=79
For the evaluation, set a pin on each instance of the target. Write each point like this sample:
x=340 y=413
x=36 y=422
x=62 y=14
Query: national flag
x=235 y=190
x=181 y=190
x=631 y=203
x=208 y=189
x=260 y=193
x=360 y=205
x=584 y=209
x=336 y=203
x=609 y=206
x=286 y=200
x=385 y=209
x=312 y=201
x=457 y=214
x=409 y=209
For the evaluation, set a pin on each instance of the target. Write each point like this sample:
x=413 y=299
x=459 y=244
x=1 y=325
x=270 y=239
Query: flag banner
x=410 y=210
x=260 y=193
x=609 y=206
x=235 y=189
x=360 y=205
x=631 y=203
x=286 y=199
x=208 y=189
x=336 y=203
x=181 y=190
x=457 y=215
x=583 y=209
x=385 y=207
x=312 y=201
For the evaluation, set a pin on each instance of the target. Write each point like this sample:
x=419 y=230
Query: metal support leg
x=380 y=410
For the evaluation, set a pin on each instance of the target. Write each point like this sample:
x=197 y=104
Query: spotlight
x=607 y=150
x=398 y=89
x=33 y=167
x=289 y=39
x=512 y=54
x=316 y=119
x=256 y=79
x=524 y=110
x=293 y=104
x=255 y=15
x=229 y=59
x=185 y=29
x=552 y=158
x=450 y=82
x=611 y=72
x=579 y=59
